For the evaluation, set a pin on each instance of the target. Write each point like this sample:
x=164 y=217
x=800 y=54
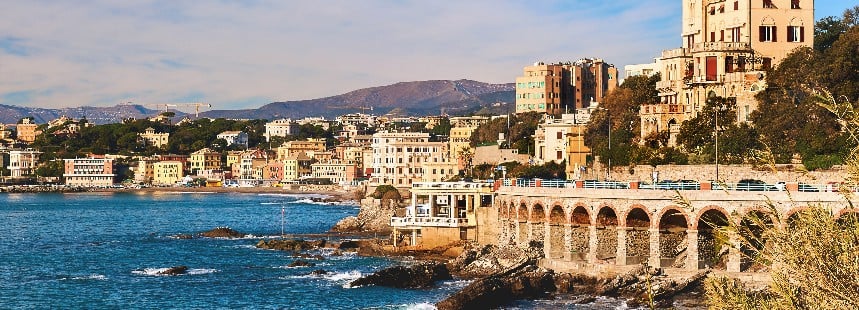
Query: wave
x=94 y=276
x=318 y=196
x=158 y=272
x=420 y=306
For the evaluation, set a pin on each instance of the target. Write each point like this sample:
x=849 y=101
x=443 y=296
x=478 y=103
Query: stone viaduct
x=663 y=228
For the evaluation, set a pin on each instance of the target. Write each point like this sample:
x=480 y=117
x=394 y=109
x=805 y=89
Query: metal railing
x=428 y=221
x=689 y=185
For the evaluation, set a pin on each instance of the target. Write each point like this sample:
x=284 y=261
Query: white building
x=281 y=128
x=23 y=162
x=234 y=138
x=399 y=157
x=648 y=69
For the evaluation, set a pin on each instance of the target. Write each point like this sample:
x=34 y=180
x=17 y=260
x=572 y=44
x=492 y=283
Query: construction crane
x=167 y=106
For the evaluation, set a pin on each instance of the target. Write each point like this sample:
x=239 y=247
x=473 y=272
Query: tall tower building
x=727 y=47
x=556 y=88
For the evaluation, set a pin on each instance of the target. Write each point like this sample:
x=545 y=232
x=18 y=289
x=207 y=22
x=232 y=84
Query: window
x=559 y=135
x=736 y=5
x=729 y=64
x=768 y=4
x=768 y=34
x=795 y=34
x=794 y=4
x=735 y=34
x=560 y=155
x=767 y=63
x=722 y=35
x=713 y=36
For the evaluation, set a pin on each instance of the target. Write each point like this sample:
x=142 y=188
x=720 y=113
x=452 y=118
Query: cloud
x=243 y=54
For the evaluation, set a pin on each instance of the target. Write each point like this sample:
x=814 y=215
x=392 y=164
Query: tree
x=53 y=168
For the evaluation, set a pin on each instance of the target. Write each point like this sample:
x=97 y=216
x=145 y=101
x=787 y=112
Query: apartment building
x=399 y=157
x=151 y=138
x=27 y=130
x=460 y=136
x=557 y=88
x=205 y=159
x=305 y=147
x=234 y=138
x=296 y=167
x=167 y=172
x=281 y=128
x=338 y=173
x=727 y=46
x=89 y=172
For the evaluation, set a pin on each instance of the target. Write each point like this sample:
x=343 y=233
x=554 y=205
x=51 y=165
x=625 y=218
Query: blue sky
x=244 y=54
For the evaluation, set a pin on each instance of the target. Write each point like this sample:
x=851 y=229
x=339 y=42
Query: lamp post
x=608 y=171
x=716 y=131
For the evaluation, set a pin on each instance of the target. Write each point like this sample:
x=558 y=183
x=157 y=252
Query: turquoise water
x=102 y=250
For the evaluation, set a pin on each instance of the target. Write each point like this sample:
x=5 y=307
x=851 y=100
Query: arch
x=796 y=21
x=847 y=216
x=672 y=121
x=751 y=230
x=637 y=223
x=538 y=214
x=701 y=213
x=522 y=212
x=557 y=231
x=637 y=217
x=791 y=216
x=767 y=20
x=580 y=233
x=606 y=232
x=580 y=216
x=672 y=237
x=713 y=245
x=846 y=211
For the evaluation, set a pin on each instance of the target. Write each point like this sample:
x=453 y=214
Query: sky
x=245 y=54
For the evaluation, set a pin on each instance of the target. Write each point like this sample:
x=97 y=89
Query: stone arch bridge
x=663 y=228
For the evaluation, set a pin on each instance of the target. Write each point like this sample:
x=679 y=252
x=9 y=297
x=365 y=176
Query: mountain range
x=459 y=97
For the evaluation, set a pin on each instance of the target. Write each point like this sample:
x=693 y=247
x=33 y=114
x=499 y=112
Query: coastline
x=341 y=195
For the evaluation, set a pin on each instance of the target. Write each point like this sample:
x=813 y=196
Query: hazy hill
x=414 y=98
x=458 y=97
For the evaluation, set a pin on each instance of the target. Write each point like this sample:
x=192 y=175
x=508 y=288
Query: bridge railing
x=687 y=185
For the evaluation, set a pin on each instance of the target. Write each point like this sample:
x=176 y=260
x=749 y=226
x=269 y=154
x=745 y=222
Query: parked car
x=689 y=185
x=808 y=188
x=754 y=185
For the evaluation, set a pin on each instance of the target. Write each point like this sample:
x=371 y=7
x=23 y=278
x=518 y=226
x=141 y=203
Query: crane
x=167 y=106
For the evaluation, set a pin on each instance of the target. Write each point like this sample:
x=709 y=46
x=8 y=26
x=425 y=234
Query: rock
x=336 y=253
x=348 y=244
x=418 y=276
x=308 y=256
x=289 y=245
x=222 y=232
x=301 y=263
x=373 y=217
x=319 y=272
x=174 y=271
x=183 y=236
x=498 y=290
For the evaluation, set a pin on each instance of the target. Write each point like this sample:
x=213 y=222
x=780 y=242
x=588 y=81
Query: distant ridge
x=459 y=97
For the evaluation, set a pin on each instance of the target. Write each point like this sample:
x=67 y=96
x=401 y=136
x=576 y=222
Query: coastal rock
x=418 y=276
x=373 y=217
x=308 y=256
x=301 y=263
x=348 y=244
x=498 y=290
x=222 y=232
x=174 y=271
x=183 y=236
x=319 y=272
x=289 y=244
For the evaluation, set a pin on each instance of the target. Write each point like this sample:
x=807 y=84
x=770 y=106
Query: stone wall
x=606 y=242
x=538 y=230
x=579 y=240
x=556 y=240
x=638 y=243
x=707 y=248
x=671 y=243
x=728 y=173
x=488 y=228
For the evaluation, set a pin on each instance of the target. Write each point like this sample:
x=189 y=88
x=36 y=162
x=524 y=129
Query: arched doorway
x=557 y=226
x=713 y=243
x=752 y=236
x=537 y=222
x=637 y=236
x=580 y=233
x=672 y=239
x=606 y=225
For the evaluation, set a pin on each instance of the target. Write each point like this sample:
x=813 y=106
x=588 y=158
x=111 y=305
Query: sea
x=104 y=250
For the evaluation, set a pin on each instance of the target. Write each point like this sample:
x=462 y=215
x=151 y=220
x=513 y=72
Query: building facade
x=727 y=46
x=89 y=172
x=27 y=131
x=305 y=147
x=558 y=88
x=281 y=128
x=441 y=213
x=151 y=138
x=23 y=162
x=399 y=157
x=205 y=159
x=167 y=172
x=234 y=138
x=338 y=173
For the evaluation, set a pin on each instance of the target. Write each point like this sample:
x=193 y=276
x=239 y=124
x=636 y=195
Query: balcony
x=675 y=53
x=721 y=47
x=429 y=222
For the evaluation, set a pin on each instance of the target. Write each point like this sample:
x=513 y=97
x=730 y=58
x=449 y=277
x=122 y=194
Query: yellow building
x=150 y=138
x=727 y=48
x=557 y=88
x=167 y=172
x=205 y=159
x=297 y=166
x=295 y=147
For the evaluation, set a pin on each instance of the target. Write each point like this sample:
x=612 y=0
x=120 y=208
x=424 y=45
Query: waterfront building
x=89 y=172
x=338 y=173
x=167 y=172
x=281 y=128
x=151 y=138
x=175 y=157
x=234 y=138
x=441 y=213
x=27 y=131
x=205 y=159
x=296 y=167
x=398 y=157
x=23 y=162
x=144 y=172
x=305 y=147
x=727 y=47
x=557 y=88
x=233 y=157
x=352 y=153
x=251 y=165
